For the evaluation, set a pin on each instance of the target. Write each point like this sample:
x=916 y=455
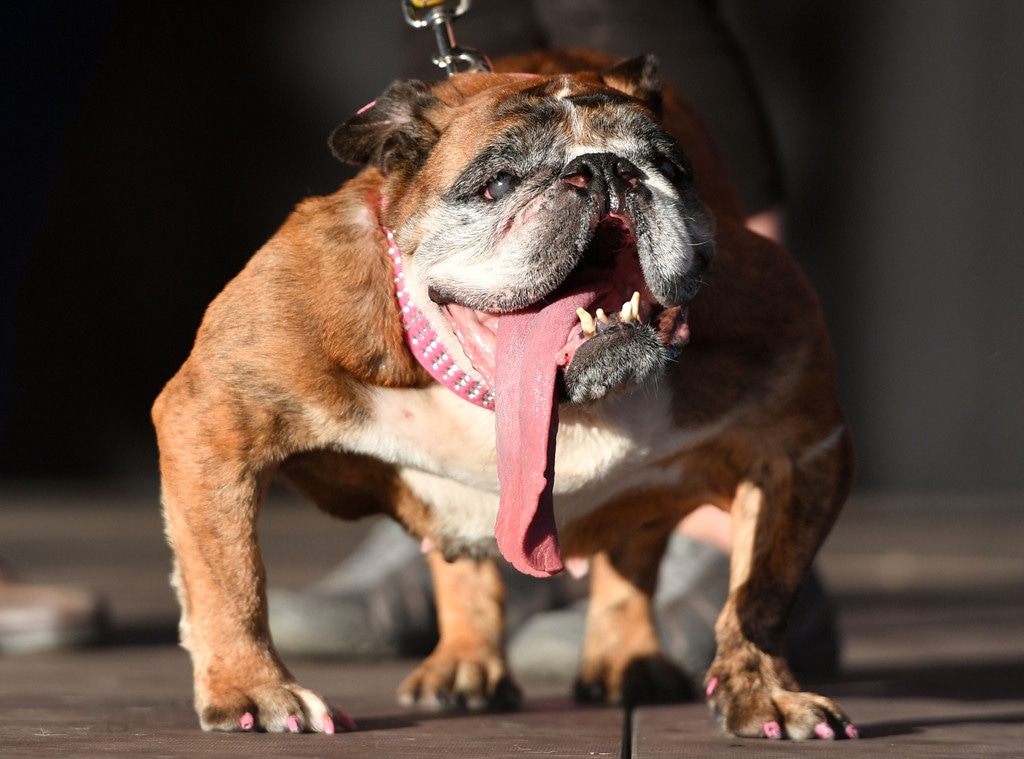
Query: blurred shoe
x=378 y=602
x=36 y=617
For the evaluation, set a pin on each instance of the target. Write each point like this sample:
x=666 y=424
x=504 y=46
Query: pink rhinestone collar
x=426 y=346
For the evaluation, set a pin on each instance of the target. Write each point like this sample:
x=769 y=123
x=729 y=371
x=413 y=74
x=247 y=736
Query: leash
x=439 y=15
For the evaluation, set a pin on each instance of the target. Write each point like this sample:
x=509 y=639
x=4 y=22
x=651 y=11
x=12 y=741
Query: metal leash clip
x=439 y=15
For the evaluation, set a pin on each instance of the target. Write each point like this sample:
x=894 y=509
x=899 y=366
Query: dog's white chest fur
x=445 y=448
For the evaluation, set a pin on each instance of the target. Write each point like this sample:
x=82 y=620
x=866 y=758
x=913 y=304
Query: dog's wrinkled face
x=552 y=231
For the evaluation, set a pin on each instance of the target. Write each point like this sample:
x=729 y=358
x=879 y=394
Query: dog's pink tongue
x=529 y=352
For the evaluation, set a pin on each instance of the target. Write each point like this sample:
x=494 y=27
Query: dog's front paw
x=757 y=698
x=282 y=707
x=448 y=680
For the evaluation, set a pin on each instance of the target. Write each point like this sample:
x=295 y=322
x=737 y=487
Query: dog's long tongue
x=529 y=352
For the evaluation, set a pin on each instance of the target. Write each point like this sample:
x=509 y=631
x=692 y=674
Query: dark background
x=150 y=147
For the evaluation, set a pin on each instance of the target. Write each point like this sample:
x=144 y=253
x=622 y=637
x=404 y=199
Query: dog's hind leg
x=622 y=658
x=778 y=524
x=467 y=669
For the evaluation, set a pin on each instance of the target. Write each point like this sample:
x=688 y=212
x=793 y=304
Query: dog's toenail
x=345 y=721
x=246 y=721
x=712 y=686
x=293 y=724
x=772 y=730
x=823 y=731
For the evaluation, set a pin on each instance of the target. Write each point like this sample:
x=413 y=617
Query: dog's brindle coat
x=301 y=369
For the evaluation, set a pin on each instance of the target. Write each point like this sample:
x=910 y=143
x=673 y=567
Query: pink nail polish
x=712 y=686
x=293 y=724
x=328 y=724
x=246 y=721
x=823 y=731
x=772 y=730
x=852 y=732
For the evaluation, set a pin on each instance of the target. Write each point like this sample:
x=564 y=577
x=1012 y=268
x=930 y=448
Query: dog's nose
x=603 y=174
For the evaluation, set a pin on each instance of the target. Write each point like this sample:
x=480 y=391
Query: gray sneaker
x=378 y=602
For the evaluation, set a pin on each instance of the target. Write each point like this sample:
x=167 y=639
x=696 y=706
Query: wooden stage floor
x=931 y=593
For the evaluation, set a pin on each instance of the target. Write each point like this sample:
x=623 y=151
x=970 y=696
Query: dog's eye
x=497 y=186
x=667 y=168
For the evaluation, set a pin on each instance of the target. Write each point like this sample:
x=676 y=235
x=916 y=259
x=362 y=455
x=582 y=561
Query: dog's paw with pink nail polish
x=275 y=708
x=754 y=696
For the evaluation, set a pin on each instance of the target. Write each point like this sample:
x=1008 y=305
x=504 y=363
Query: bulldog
x=533 y=329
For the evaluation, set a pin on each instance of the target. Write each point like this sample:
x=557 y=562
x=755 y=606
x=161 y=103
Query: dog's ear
x=639 y=78
x=390 y=132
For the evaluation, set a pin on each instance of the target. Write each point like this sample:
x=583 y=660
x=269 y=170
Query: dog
x=534 y=325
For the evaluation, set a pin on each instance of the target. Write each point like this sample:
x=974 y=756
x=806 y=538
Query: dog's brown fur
x=311 y=322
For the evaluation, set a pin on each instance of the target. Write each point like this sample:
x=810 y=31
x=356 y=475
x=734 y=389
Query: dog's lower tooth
x=587 y=322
